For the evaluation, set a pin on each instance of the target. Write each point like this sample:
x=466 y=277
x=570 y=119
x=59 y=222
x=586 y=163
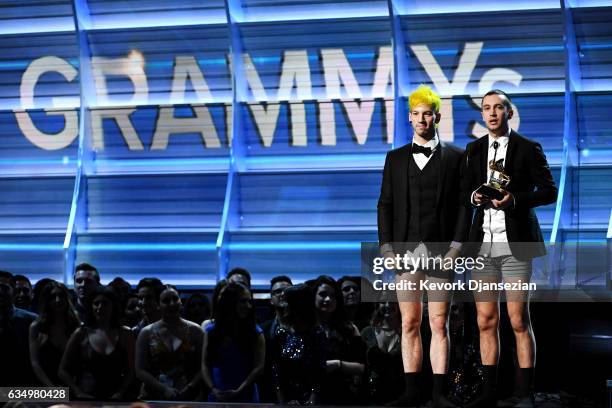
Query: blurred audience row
x=320 y=345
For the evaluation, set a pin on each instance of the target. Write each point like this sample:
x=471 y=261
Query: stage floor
x=543 y=400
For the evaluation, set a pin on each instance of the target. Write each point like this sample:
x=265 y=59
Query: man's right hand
x=480 y=199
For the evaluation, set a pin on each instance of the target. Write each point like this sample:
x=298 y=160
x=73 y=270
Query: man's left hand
x=507 y=201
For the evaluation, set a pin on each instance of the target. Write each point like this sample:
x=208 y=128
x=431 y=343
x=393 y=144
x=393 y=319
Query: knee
x=438 y=325
x=411 y=326
x=488 y=322
x=520 y=322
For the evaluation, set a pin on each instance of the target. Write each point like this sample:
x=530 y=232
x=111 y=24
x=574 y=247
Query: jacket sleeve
x=385 y=206
x=546 y=191
x=464 y=215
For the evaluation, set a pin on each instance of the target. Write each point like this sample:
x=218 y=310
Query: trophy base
x=490 y=192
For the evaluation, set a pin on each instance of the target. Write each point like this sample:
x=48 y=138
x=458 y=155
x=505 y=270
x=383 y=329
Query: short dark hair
x=155 y=284
x=22 y=278
x=507 y=101
x=120 y=284
x=87 y=267
x=165 y=288
x=280 y=278
x=355 y=279
x=240 y=271
x=9 y=276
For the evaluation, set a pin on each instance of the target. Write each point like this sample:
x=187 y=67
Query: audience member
x=148 y=291
x=14 y=329
x=357 y=312
x=234 y=348
x=131 y=311
x=86 y=281
x=23 y=293
x=384 y=353
x=168 y=353
x=122 y=287
x=39 y=286
x=278 y=284
x=344 y=349
x=50 y=332
x=99 y=359
x=197 y=308
x=240 y=275
x=297 y=351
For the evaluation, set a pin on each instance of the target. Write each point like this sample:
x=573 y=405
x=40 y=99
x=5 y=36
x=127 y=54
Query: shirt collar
x=433 y=143
x=502 y=140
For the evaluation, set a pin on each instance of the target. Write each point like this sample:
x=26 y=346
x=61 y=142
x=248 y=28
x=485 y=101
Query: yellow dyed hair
x=424 y=95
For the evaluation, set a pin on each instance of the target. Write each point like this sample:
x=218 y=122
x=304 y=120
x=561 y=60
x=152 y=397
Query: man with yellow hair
x=420 y=213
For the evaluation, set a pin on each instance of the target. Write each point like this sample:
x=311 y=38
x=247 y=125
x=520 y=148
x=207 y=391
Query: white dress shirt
x=494 y=222
x=421 y=159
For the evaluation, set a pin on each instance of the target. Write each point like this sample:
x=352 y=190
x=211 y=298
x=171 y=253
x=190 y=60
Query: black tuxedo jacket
x=531 y=184
x=393 y=203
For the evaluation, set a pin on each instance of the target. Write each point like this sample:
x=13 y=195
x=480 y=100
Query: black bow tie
x=421 y=149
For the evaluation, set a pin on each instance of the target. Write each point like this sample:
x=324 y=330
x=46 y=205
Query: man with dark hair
x=278 y=284
x=86 y=281
x=23 y=292
x=420 y=215
x=148 y=291
x=239 y=275
x=14 y=333
x=506 y=233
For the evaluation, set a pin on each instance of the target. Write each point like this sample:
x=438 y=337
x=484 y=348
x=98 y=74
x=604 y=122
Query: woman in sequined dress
x=298 y=362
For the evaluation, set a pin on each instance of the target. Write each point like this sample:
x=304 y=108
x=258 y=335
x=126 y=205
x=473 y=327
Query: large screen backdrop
x=179 y=139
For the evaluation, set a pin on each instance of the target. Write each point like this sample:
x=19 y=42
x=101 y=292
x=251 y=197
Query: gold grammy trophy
x=498 y=181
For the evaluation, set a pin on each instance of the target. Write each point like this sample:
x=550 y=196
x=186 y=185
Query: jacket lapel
x=402 y=171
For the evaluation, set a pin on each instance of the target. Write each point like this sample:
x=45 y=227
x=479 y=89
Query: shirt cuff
x=456 y=245
x=472 y=200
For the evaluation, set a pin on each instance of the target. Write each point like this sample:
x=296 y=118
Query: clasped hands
x=507 y=201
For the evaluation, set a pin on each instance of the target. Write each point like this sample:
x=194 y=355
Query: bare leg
x=412 y=347
x=440 y=342
x=488 y=325
x=518 y=311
